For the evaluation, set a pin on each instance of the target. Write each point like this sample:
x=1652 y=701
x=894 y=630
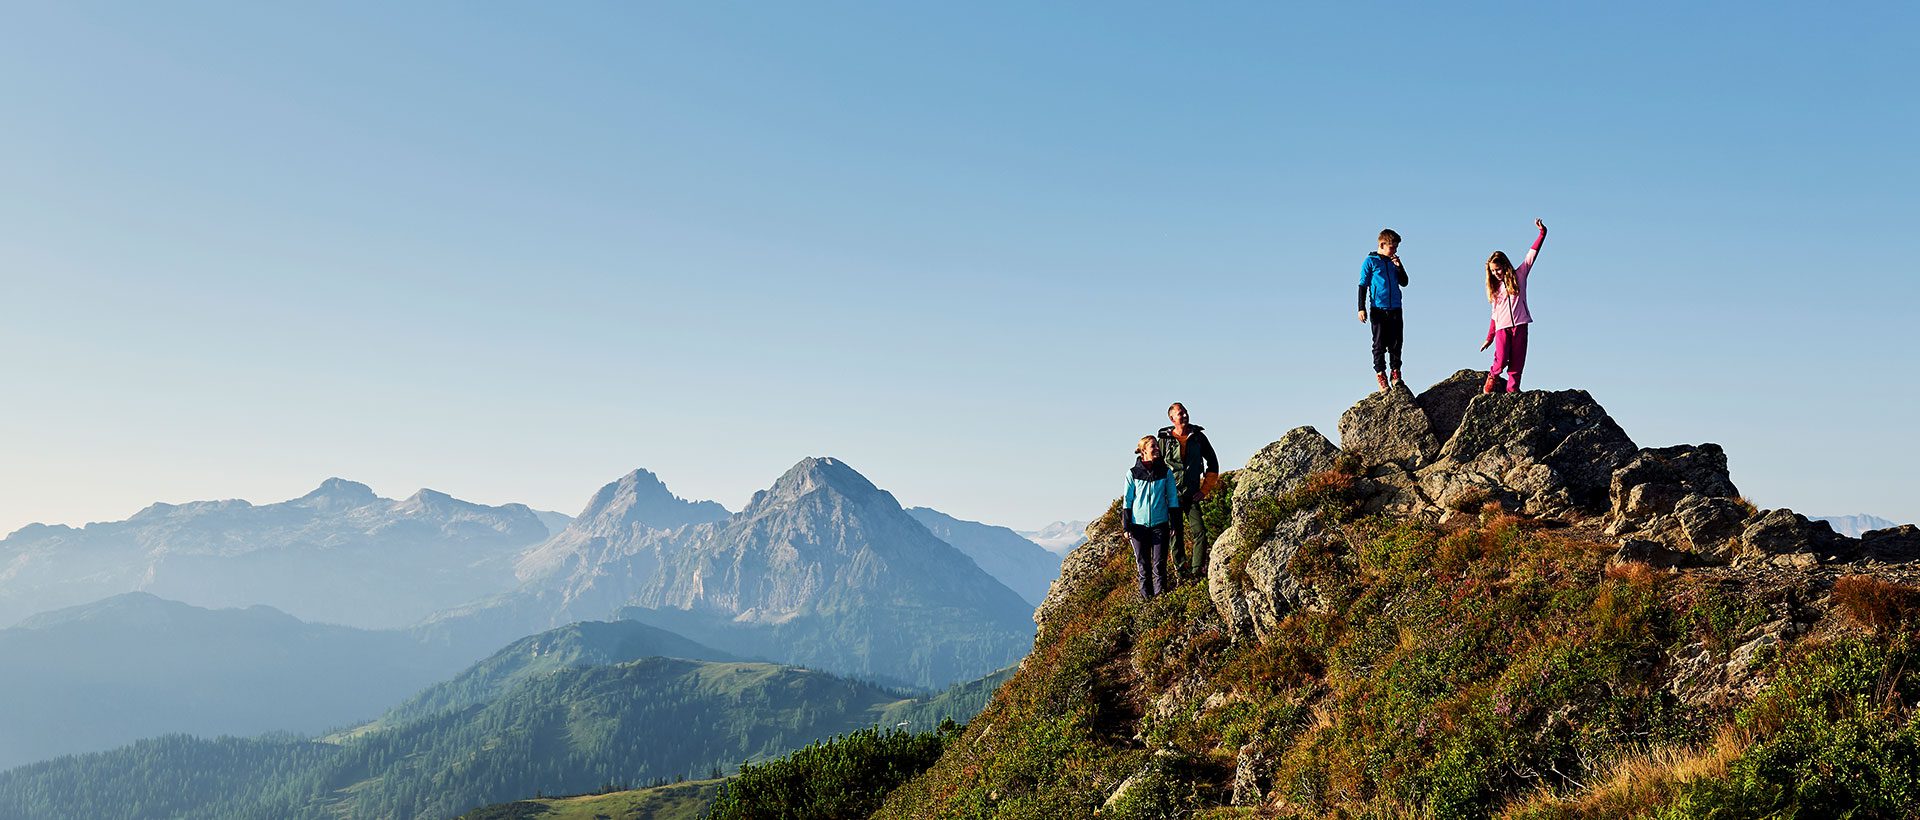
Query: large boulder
x=1388 y=427
x=1893 y=545
x=1700 y=529
x=1655 y=481
x=1709 y=526
x=1280 y=467
x=1445 y=403
x=1252 y=592
x=1549 y=453
x=1787 y=538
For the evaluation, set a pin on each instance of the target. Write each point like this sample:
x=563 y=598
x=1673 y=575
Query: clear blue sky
x=513 y=250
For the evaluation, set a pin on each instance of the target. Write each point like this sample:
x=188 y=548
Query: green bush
x=846 y=776
x=1833 y=738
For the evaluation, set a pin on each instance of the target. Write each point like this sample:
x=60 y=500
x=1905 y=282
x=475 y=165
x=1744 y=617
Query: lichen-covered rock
x=1658 y=478
x=1894 y=545
x=1552 y=452
x=1280 y=467
x=1445 y=403
x=1250 y=768
x=1268 y=590
x=1225 y=590
x=1387 y=427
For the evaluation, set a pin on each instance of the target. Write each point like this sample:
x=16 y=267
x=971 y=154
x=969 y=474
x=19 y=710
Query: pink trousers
x=1510 y=354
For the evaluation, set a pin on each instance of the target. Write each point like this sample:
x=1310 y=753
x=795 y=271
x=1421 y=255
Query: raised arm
x=1534 y=252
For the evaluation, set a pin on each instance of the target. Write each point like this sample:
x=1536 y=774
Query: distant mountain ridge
x=98 y=675
x=1854 y=526
x=339 y=554
x=1021 y=564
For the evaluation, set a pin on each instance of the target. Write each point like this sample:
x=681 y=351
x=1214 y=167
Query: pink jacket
x=1510 y=309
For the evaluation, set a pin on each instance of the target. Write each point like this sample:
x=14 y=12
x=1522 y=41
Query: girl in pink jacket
x=1507 y=333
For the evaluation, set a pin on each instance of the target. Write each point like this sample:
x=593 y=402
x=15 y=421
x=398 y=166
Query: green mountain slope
x=588 y=643
x=571 y=730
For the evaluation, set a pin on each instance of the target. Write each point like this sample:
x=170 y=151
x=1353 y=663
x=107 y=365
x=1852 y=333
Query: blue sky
x=511 y=251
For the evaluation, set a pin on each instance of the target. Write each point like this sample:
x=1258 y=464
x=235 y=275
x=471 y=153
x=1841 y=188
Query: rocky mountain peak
x=338 y=493
x=813 y=475
x=640 y=499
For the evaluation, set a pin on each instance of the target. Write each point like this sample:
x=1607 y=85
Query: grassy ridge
x=1492 y=667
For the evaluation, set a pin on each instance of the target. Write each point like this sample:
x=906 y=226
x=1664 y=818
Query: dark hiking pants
x=1188 y=548
x=1149 y=558
x=1389 y=330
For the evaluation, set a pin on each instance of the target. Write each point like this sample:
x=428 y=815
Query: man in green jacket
x=1189 y=455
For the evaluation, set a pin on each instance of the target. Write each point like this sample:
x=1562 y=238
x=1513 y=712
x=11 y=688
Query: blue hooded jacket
x=1382 y=280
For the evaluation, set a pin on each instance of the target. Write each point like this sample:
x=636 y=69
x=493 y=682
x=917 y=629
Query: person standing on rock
x=1381 y=278
x=1507 y=332
x=1145 y=512
x=1196 y=469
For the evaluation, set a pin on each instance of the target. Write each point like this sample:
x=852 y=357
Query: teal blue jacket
x=1151 y=492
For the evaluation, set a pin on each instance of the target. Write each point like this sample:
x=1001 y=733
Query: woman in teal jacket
x=1145 y=512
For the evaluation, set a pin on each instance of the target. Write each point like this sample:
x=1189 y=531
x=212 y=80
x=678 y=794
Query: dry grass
x=1878 y=604
x=1636 y=781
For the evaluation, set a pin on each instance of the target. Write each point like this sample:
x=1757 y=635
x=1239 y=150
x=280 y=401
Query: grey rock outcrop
x=1892 y=545
x=1547 y=453
x=1388 y=427
x=1787 y=538
x=1265 y=590
x=1446 y=402
x=1656 y=480
x=1708 y=526
x=1280 y=467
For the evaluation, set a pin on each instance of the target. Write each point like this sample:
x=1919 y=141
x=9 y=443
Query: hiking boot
x=1396 y=378
x=1382 y=379
x=1493 y=379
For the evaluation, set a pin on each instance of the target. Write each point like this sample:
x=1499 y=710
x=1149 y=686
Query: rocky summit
x=1471 y=606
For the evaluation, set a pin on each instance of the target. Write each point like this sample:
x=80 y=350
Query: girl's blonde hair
x=1500 y=276
x=1140 y=447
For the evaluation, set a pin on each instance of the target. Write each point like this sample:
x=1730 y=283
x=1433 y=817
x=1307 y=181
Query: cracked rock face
x=1552 y=454
x=1657 y=479
x=1280 y=467
x=1388 y=427
x=1788 y=538
x=1445 y=403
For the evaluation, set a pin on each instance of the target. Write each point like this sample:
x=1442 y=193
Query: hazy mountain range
x=1011 y=559
x=821 y=569
x=1852 y=526
x=132 y=666
x=339 y=554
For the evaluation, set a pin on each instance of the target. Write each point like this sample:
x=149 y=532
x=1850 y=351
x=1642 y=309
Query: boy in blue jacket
x=1381 y=278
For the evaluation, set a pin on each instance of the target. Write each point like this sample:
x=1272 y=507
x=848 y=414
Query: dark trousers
x=1150 y=558
x=1389 y=330
x=1190 y=551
